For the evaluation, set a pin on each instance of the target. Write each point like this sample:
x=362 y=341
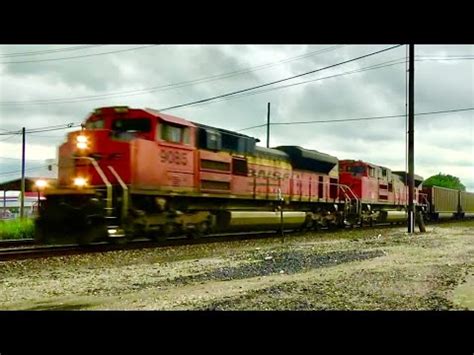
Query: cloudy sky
x=55 y=84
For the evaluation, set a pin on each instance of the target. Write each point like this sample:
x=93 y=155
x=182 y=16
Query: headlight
x=82 y=142
x=41 y=184
x=80 y=182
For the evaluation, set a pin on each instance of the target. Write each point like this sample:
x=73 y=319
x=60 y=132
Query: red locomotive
x=140 y=172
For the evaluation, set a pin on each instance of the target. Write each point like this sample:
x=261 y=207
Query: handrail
x=125 y=191
x=104 y=179
x=344 y=187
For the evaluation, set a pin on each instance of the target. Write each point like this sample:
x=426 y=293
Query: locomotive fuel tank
x=242 y=220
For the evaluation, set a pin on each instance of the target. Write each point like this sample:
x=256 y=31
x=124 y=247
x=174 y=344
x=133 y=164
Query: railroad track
x=12 y=243
x=26 y=248
x=41 y=251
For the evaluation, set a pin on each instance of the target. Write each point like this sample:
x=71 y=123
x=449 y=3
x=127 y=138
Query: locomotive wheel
x=162 y=234
x=307 y=225
x=95 y=230
x=158 y=236
x=200 y=230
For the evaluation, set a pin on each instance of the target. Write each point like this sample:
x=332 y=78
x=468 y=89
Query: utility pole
x=22 y=194
x=411 y=138
x=268 y=125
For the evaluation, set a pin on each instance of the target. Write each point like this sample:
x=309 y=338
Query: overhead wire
x=79 y=56
x=358 y=118
x=278 y=81
x=379 y=65
x=49 y=51
x=44 y=129
x=19 y=171
x=166 y=87
x=372 y=67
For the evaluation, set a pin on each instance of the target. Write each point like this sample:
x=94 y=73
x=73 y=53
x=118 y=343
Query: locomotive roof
x=170 y=118
x=274 y=153
x=233 y=133
x=309 y=159
x=418 y=179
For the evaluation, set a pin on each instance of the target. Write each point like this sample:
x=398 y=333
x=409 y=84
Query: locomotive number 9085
x=173 y=157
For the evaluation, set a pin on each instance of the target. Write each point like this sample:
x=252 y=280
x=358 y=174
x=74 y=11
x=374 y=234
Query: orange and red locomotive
x=140 y=172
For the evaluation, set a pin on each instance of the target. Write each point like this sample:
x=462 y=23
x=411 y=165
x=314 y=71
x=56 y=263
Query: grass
x=16 y=229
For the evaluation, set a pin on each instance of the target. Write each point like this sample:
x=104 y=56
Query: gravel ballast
x=368 y=269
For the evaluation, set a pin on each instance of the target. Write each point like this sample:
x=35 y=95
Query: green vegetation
x=443 y=180
x=16 y=229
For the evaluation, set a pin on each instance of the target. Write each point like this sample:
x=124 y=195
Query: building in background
x=10 y=191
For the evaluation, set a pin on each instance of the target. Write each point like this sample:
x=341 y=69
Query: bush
x=17 y=229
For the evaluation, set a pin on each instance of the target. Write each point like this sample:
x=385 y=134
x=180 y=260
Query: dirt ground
x=372 y=269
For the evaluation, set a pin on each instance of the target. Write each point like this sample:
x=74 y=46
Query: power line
x=423 y=59
x=49 y=51
x=7 y=138
x=170 y=86
x=29 y=169
x=20 y=159
x=376 y=66
x=73 y=125
x=44 y=129
x=445 y=56
x=181 y=84
x=277 y=81
x=358 y=118
x=307 y=122
x=372 y=67
x=184 y=83
x=43 y=136
x=79 y=56
x=311 y=122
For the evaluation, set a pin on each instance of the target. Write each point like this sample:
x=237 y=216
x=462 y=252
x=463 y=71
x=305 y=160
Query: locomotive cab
x=372 y=183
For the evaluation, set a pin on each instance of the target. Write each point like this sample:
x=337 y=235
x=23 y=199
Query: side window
x=171 y=133
x=186 y=136
x=371 y=172
x=239 y=167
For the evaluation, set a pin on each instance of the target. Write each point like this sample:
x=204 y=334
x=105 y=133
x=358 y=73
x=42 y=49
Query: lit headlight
x=41 y=184
x=80 y=182
x=82 y=142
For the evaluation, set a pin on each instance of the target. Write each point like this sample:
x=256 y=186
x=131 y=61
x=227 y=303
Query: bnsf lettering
x=173 y=157
x=268 y=174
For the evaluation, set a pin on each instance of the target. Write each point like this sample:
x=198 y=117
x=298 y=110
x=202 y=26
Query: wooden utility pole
x=22 y=194
x=411 y=139
x=268 y=125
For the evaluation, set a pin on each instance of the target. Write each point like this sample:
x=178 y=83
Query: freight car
x=446 y=203
x=140 y=172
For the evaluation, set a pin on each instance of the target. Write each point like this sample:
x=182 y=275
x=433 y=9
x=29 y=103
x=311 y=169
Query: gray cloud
x=443 y=142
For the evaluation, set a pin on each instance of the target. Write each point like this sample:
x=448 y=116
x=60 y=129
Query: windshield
x=127 y=129
x=358 y=169
x=97 y=124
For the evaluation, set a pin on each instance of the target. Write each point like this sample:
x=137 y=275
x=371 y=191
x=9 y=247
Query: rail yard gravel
x=370 y=269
